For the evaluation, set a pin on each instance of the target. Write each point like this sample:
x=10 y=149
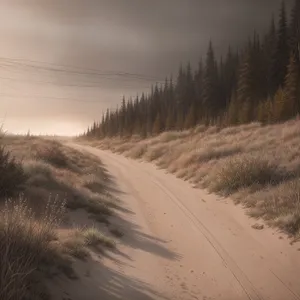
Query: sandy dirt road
x=182 y=243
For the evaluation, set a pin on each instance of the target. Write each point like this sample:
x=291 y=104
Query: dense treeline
x=258 y=83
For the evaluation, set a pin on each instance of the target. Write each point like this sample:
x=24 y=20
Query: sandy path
x=181 y=243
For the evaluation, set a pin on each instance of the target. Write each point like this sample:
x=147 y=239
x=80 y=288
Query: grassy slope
x=39 y=232
x=258 y=166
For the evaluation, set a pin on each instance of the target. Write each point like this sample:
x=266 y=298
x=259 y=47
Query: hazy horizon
x=150 y=38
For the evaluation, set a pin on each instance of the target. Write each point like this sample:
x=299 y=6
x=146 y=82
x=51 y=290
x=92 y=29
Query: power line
x=74 y=70
x=49 y=97
x=96 y=85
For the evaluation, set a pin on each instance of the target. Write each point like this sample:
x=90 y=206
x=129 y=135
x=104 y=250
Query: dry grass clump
x=25 y=245
x=93 y=237
x=243 y=172
x=279 y=206
x=97 y=207
x=75 y=246
x=79 y=240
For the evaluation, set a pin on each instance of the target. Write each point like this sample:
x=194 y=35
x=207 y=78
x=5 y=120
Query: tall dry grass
x=25 y=244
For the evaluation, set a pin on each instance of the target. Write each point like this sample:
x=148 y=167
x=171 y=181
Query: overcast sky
x=144 y=37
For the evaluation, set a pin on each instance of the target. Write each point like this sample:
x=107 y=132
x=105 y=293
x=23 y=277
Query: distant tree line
x=258 y=83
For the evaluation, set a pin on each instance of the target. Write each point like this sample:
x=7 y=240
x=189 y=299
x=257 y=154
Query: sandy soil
x=182 y=243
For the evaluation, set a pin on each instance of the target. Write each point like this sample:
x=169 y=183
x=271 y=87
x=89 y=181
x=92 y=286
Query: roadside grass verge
x=255 y=165
x=46 y=166
x=41 y=180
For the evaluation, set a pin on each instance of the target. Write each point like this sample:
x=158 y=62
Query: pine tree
x=190 y=120
x=179 y=120
x=278 y=108
x=244 y=88
x=232 y=115
x=245 y=114
x=291 y=89
x=198 y=82
x=230 y=74
x=170 y=121
x=157 y=126
x=294 y=31
x=123 y=118
x=209 y=92
x=281 y=57
x=269 y=58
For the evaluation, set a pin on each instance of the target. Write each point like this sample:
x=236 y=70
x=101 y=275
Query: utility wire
x=49 y=97
x=95 y=85
x=73 y=69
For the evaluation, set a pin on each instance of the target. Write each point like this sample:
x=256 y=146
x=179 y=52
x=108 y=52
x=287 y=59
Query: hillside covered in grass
x=55 y=204
x=258 y=166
